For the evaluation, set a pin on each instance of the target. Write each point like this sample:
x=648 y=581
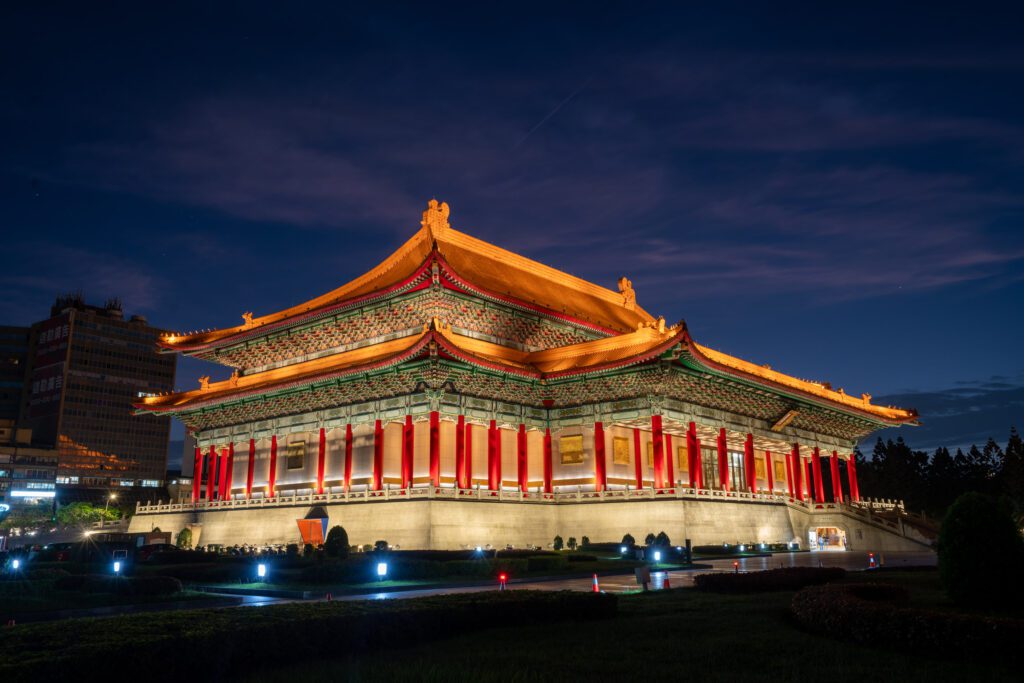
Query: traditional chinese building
x=460 y=394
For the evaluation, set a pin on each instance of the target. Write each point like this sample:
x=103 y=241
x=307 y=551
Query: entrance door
x=827 y=538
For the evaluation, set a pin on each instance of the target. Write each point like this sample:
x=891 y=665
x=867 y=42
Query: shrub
x=380 y=545
x=557 y=544
x=870 y=614
x=336 y=544
x=649 y=540
x=628 y=540
x=580 y=557
x=273 y=635
x=572 y=543
x=119 y=585
x=980 y=552
x=184 y=540
x=662 y=539
x=792 y=578
x=307 y=550
x=585 y=541
x=546 y=563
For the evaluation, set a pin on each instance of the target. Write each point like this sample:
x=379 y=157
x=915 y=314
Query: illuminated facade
x=456 y=372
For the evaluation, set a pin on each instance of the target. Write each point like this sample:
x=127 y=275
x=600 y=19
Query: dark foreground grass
x=682 y=634
x=36 y=602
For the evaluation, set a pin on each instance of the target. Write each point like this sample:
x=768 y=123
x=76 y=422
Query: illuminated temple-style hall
x=459 y=394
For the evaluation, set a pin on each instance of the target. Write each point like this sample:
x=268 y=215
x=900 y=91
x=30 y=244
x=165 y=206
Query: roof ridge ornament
x=628 y=295
x=435 y=218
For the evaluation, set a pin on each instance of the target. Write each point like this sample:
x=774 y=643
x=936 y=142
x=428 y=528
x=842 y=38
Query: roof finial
x=628 y=295
x=435 y=218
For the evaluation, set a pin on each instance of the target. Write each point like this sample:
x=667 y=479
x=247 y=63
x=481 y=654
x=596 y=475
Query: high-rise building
x=88 y=364
x=14 y=352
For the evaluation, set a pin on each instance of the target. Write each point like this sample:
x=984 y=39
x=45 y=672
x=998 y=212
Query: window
x=296 y=454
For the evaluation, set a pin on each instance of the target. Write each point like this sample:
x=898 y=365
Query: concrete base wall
x=449 y=524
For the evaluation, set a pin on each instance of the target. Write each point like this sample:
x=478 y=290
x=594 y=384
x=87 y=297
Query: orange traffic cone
x=666 y=583
x=597 y=588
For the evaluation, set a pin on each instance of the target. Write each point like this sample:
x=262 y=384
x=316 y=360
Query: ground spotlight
x=117 y=567
x=261 y=570
x=657 y=556
x=382 y=570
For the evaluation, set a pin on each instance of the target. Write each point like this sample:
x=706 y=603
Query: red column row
x=723 y=461
x=748 y=463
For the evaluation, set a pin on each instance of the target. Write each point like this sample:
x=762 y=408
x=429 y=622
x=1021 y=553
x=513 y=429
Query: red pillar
x=231 y=468
x=670 y=462
x=321 y=461
x=819 y=489
x=769 y=473
x=521 y=460
x=211 y=472
x=435 y=448
x=723 y=460
x=223 y=485
x=407 y=446
x=851 y=472
x=798 y=484
x=249 y=472
x=378 y=456
x=837 y=483
x=272 y=476
x=692 y=455
x=460 y=453
x=658 y=444
x=348 y=456
x=789 y=474
x=748 y=462
x=469 y=456
x=493 y=457
x=698 y=456
x=808 y=477
x=197 y=475
x=547 y=461
x=638 y=459
x=600 y=464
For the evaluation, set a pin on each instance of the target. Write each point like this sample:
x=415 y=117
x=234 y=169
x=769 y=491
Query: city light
x=261 y=570
x=382 y=570
x=117 y=567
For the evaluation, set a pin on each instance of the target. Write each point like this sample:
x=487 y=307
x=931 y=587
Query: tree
x=585 y=541
x=628 y=540
x=84 y=514
x=28 y=518
x=380 y=545
x=557 y=543
x=980 y=551
x=1012 y=473
x=662 y=539
x=572 y=543
x=336 y=544
x=184 y=540
x=649 y=540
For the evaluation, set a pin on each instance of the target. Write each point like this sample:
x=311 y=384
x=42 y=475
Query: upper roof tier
x=479 y=264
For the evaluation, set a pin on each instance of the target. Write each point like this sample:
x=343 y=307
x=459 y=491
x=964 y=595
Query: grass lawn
x=51 y=601
x=664 y=635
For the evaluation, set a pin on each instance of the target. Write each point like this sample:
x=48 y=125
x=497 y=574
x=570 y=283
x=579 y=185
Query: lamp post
x=112 y=496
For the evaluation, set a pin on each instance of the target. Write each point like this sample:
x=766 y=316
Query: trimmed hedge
x=217 y=643
x=579 y=557
x=546 y=563
x=872 y=614
x=788 y=579
x=119 y=585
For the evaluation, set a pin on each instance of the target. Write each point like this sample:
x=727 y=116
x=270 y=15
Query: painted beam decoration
x=457 y=363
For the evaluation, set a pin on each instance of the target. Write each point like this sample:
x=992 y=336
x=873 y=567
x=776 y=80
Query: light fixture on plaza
x=261 y=570
x=382 y=570
x=622 y=550
x=15 y=564
x=657 y=556
x=479 y=549
x=742 y=548
x=117 y=567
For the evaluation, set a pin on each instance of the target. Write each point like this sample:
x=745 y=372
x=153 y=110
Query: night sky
x=839 y=195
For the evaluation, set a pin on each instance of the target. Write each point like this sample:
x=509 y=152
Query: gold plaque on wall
x=684 y=461
x=650 y=454
x=780 y=471
x=620 y=450
x=759 y=468
x=296 y=454
x=571 y=449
